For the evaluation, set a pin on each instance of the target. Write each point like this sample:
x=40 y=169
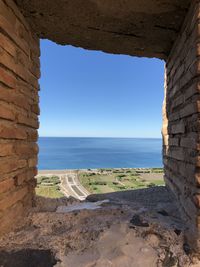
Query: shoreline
x=62 y=171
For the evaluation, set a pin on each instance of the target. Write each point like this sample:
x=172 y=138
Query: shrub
x=100 y=183
x=151 y=185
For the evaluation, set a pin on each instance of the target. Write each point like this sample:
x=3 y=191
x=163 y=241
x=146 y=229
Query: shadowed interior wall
x=19 y=73
x=181 y=122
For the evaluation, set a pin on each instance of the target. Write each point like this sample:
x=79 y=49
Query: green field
x=48 y=187
x=112 y=180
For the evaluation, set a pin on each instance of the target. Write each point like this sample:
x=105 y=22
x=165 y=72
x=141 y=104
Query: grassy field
x=48 y=187
x=112 y=180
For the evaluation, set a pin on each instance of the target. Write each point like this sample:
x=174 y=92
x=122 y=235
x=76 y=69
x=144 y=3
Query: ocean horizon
x=99 y=152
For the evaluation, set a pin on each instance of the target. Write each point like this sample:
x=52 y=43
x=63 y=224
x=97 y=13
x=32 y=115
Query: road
x=70 y=185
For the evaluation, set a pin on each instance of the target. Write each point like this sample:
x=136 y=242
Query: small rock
x=163 y=212
x=138 y=221
x=153 y=240
x=177 y=231
x=186 y=248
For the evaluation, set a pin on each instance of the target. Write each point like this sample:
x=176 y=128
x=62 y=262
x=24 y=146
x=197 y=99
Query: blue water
x=82 y=153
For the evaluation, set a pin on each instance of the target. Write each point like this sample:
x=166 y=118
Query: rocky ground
x=135 y=228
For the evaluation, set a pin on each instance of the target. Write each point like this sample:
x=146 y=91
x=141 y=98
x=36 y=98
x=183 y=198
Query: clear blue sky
x=91 y=93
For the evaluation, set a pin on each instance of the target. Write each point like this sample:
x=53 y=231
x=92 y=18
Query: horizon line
x=101 y=137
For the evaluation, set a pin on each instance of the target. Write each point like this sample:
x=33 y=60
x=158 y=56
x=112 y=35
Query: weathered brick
x=189 y=110
x=12 y=96
x=29 y=121
x=7 y=44
x=11 y=217
x=33 y=162
x=6 y=112
x=181 y=115
x=12 y=132
x=32 y=135
x=7 y=78
x=174 y=141
x=13 y=198
x=192 y=90
x=177 y=153
x=11 y=164
x=178 y=101
x=8 y=21
x=35 y=108
x=178 y=128
x=25 y=176
x=17 y=67
x=6 y=185
x=6 y=149
x=26 y=150
x=19 y=73
x=174 y=116
x=188 y=142
x=187 y=170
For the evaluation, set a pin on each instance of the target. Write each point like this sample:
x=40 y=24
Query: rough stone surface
x=181 y=123
x=139 y=27
x=19 y=73
x=136 y=228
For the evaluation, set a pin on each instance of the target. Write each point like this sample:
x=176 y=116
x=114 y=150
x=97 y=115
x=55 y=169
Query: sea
x=58 y=153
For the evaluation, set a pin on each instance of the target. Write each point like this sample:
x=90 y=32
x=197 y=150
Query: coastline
x=63 y=171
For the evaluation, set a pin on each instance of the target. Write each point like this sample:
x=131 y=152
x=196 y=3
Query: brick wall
x=19 y=73
x=181 y=122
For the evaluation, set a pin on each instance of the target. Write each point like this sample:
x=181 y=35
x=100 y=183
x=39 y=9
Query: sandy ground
x=139 y=228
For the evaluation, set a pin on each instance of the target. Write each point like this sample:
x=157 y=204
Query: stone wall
x=19 y=73
x=181 y=123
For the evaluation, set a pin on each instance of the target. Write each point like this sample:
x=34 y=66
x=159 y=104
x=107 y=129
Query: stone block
x=188 y=142
x=11 y=217
x=178 y=128
x=25 y=176
x=174 y=141
x=6 y=149
x=26 y=150
x=7 y=78
x=27 y=120
x=32 y=135
x=6 y=185
x=11 y=164
x=12 y=132
x=33 y=162
x=6 y=112
x=12 y=198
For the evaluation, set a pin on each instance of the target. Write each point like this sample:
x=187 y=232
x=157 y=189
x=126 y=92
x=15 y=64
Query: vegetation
x=48 y=187
x=112 y=180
